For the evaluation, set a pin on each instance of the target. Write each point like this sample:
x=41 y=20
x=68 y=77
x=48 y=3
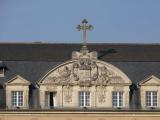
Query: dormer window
x=2 y=68
x=1 y=71
x=17 y=93
x=149 y=90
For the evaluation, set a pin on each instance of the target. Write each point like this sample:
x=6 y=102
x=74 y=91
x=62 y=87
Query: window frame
x=150 y=103
x=118 y=101
x=17 y=101
x=83 y=100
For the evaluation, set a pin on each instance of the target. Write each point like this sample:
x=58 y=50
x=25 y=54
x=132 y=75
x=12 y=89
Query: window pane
x=120 y=99
x=87 y=98
x=117 y=98
x=84 y=98
x=20 y=98
x=114 y=99
x=17 y=98
x=14 y=98
x=151 y=98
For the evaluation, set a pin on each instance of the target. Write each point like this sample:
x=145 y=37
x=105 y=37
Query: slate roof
x=62 y=52
x=32 y=61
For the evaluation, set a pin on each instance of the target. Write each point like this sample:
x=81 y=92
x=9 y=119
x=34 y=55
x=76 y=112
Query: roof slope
x=62 y=52
x=34 y=71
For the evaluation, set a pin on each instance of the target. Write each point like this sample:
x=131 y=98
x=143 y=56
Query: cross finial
x=84 y=28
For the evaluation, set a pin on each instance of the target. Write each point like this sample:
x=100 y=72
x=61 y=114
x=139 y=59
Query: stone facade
x=151 y=83
x=17 y=84
x=84 y=73
x=52 y=115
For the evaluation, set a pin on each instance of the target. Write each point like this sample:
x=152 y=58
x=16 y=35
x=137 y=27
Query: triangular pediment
x=18 y=80
x=151 y=80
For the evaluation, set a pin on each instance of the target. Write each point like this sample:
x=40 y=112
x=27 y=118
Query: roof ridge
x=50 y=43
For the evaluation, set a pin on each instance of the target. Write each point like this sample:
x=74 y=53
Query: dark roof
x=62 y=52
x=135 y=60
x=35 y=70
x=2 y=65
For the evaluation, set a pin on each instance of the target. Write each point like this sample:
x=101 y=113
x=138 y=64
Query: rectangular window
x=151 y=98
x=84 y=98
x=117 y=98
x=17 y=98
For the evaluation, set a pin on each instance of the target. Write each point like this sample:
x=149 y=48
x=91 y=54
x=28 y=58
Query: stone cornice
x=126 y=113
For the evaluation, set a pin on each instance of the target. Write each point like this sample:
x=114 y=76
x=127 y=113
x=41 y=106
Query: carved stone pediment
x=85 y=70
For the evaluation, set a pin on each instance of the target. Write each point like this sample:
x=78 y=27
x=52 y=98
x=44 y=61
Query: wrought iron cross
x=84 y=27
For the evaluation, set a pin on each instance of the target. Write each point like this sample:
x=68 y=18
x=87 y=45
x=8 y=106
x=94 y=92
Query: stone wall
x=44 y=115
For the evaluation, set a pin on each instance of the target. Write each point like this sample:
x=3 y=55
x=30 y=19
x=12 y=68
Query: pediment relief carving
x=85 y=70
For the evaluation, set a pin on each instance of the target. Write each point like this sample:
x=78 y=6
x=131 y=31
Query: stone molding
x=151 y=80
x=21 y=81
